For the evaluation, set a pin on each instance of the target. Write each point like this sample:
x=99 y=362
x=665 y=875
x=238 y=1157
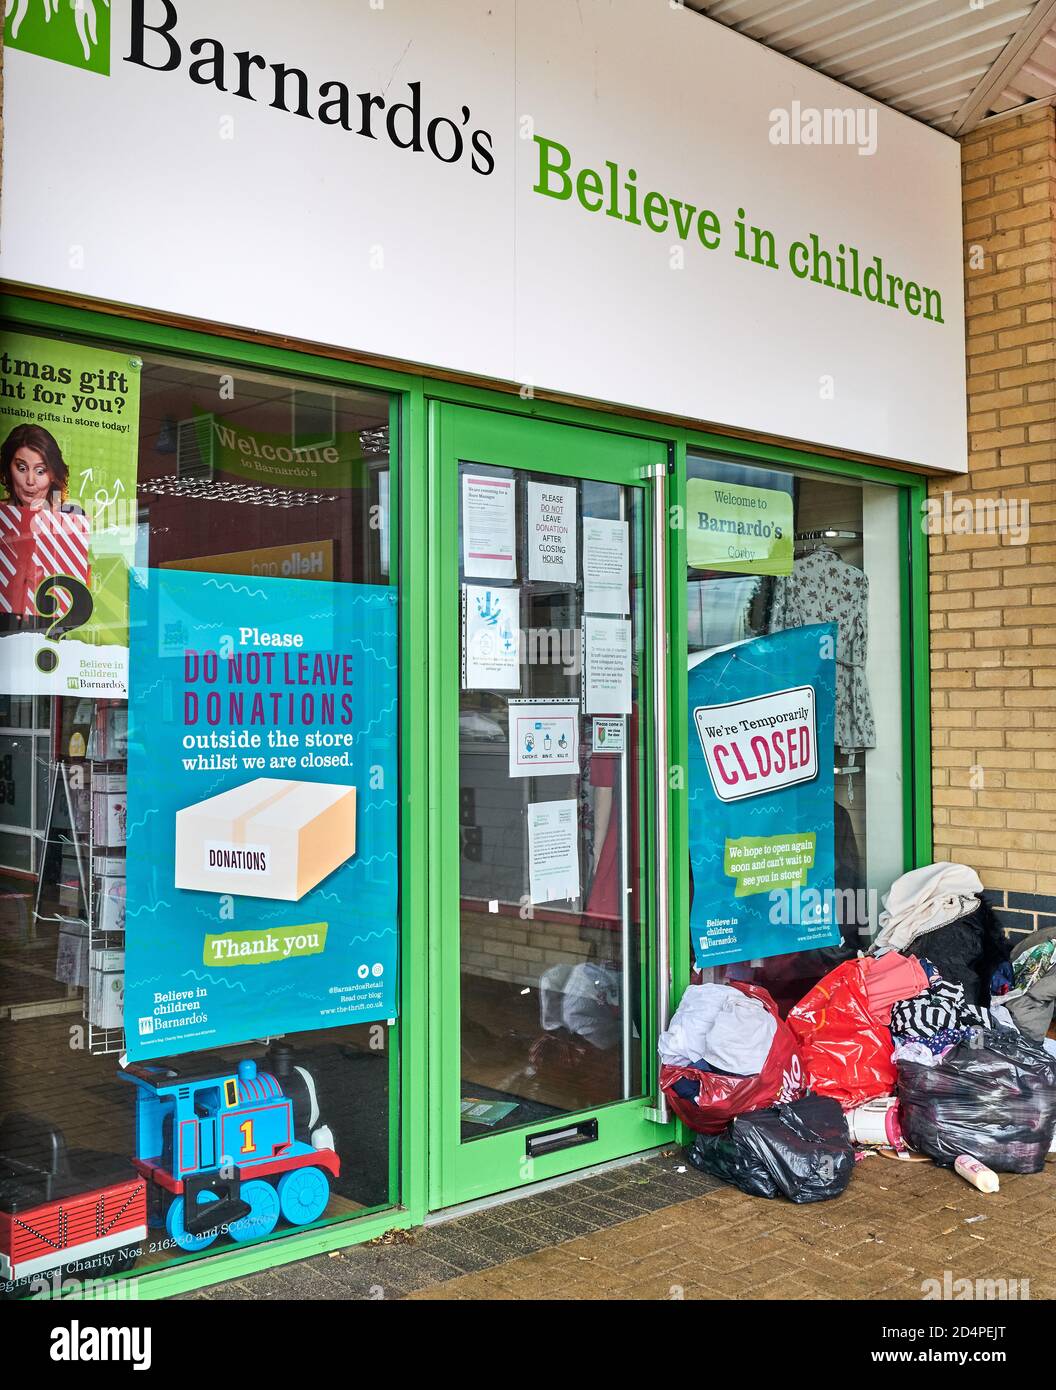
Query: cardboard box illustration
x=269 y=838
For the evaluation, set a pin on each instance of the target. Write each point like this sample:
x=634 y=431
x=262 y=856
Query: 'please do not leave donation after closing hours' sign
x=761 y=815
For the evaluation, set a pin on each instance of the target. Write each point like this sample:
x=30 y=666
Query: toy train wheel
x=263 y=1214
x=178 y=1231
x=303 y=1195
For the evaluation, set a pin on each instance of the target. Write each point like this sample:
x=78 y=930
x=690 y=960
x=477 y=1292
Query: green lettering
x=658 y=203
x=546 y=168
x=933 y=300
x=588 y=183
x=708 y=229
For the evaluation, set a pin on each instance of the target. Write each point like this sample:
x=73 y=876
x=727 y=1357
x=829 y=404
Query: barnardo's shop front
x=460 y=573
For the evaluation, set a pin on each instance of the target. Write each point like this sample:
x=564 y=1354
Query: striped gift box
x=35 y=545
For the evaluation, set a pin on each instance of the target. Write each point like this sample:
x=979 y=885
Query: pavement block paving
x=658 y=1229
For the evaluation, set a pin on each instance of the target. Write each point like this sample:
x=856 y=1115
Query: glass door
x=545 y=990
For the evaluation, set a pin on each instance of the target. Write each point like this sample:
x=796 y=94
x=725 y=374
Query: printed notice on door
x=491 y=638
x=544 y=739
x=553 y=851
x=607 y=660
x=488 y=527
x=604 y=566
x=609 y=736
x=552 y=533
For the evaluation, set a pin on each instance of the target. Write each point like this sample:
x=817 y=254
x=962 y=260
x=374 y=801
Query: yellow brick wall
x=993 y=604
x=508 y=948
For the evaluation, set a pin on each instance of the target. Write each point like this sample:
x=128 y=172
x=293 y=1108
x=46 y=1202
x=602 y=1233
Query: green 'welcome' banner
x=274 y=460
x=746 y=530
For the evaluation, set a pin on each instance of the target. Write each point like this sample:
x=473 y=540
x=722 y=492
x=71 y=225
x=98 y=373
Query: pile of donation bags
x=890 y=1050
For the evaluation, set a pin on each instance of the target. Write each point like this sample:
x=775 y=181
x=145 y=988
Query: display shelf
x=87 y=797
x=104 y=996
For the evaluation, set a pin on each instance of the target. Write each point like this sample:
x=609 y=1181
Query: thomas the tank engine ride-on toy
x=227 y=1151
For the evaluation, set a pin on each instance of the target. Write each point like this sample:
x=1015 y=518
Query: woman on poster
x=42 y=534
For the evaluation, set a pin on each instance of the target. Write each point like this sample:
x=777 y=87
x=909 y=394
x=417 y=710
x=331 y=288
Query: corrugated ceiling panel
x=924 y=57
x=1035 y=79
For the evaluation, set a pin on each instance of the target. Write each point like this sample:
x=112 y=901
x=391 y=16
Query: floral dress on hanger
x=824 y=588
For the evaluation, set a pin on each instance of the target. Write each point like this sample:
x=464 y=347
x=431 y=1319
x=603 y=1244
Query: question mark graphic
x=80 y=611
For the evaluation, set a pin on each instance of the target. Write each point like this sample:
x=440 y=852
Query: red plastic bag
x=846 y=1052
x=720 y=1097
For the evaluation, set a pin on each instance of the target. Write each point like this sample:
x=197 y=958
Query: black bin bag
x=727 y=1157
x=993 y=1096
x=801 y=1151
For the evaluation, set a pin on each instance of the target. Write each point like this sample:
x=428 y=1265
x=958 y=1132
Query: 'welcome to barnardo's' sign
x=624 y=202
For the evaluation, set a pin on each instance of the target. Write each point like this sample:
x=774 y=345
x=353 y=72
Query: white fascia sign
x=628 y=203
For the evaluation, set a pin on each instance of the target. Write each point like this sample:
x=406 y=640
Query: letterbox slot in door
x=550 y=1140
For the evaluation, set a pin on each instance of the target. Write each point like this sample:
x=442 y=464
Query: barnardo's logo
x=69 y=31
x=78 y=32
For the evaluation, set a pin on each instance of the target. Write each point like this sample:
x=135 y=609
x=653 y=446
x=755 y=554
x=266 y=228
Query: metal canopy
x=951 y=63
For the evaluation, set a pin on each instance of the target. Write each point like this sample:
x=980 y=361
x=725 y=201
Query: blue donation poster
x=761 y=820
x=263 y=809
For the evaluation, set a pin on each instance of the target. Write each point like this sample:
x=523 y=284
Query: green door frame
x=419 y=491
x=498 y=1162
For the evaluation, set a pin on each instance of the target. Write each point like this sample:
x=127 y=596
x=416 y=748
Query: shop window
x=197 y=608
x=795 y=668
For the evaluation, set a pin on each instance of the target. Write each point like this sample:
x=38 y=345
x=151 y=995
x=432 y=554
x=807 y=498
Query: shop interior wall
x=993 y=590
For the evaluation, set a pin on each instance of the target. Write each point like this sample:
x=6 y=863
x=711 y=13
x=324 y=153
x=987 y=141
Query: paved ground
x=649 y=1231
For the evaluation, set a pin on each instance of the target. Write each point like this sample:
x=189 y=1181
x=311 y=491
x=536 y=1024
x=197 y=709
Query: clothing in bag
x=993 y=1097
x=1032 y=999
x=846 y=1052
x=689 y=1089
x=717 y=1096
x=967 y=952
x=916 y=1051
x=801 y=1151
x=924 y=899
x=941 y=1009
x=729 y=1029
x=889 y=979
